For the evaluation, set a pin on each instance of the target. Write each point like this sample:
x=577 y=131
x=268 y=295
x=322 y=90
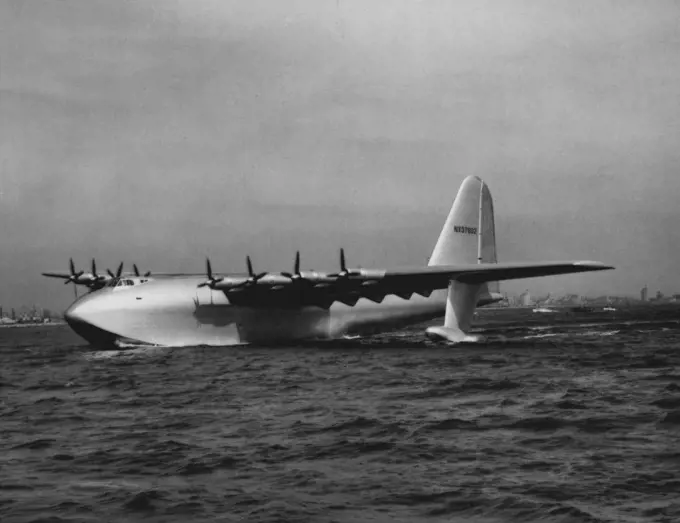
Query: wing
x=424 y=280
x=438 y=277
x=318 y=289
x=62 y=275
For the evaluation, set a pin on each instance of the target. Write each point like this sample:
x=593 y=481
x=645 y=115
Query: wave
x=589 y=333
x=416 y=432
x=135 y=351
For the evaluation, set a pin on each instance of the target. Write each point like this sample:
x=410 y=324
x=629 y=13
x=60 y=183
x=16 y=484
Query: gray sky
x=162 y=131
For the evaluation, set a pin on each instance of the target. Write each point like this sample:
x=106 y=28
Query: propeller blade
x=120 y=270
x=94 y=269
x=250 y=266
x=296 y=275
x=344 y=271
x=110 y=273
x=211 y=279
x=73 y=269
x=343 y=266
x=137 y=273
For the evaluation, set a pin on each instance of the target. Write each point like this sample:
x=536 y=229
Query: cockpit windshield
x=126 y=282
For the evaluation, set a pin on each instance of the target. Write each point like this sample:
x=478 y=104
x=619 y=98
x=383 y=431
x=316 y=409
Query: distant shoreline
x=561 y=307
x=50 y=324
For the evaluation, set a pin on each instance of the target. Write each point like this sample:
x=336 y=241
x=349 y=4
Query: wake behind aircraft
x=230 y=309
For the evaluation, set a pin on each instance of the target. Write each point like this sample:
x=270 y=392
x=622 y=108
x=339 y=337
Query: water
x=555 y=418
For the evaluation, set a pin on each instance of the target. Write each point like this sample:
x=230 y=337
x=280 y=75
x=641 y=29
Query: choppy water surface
x=555 y=418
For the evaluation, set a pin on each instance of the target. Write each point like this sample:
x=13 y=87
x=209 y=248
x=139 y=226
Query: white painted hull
x=174 y=312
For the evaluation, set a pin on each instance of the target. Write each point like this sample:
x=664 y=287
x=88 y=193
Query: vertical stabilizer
x=469 y=225
x=468 y=237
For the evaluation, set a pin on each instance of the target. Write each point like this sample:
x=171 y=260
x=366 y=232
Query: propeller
x=100 y=277
x=146 y=274
x=119 y=271
x=253 y=278
x=74 y=276
x=210 y=282
x=97 y=277
x=296 y=275
x=344 y=271
x=312 y=280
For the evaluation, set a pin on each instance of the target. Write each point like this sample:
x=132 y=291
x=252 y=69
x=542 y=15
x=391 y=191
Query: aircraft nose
x=79 y=312
x=83 y=317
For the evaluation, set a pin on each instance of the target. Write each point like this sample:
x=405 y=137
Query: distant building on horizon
x=525 y=299
x=643 y=293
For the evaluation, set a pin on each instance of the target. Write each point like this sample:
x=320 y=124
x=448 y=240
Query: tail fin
x=468 y=237
x=460 y=241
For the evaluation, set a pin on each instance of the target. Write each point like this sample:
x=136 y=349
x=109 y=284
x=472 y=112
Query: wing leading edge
x=320 y=289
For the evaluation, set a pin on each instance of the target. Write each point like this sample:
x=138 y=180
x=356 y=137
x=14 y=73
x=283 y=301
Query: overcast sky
x=162 y=131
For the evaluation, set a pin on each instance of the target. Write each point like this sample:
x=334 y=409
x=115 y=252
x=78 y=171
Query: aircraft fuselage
x=175 y=312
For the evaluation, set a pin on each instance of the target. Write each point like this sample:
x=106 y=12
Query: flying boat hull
x=174 y=312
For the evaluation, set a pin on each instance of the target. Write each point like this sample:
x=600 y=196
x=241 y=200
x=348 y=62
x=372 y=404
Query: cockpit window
x=126 y=282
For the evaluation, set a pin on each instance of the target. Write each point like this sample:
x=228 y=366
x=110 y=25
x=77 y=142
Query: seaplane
x=224 y=309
